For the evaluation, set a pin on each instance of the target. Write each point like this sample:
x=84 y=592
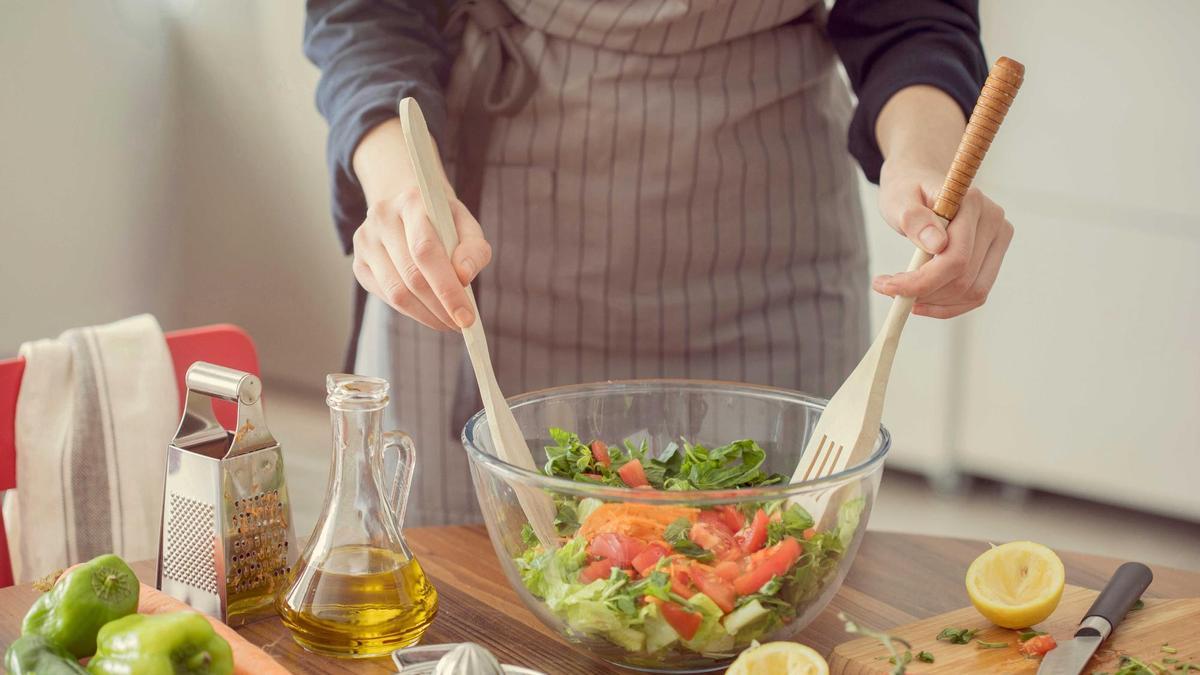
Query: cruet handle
x=397 y=491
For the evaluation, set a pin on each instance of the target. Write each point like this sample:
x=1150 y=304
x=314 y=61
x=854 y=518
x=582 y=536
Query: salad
x=653 y=579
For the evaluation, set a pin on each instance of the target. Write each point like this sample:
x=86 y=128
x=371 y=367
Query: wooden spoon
x=506 y=434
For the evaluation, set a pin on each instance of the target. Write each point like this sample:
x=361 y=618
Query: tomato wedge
x=734 y=519
x=714 y=519
x=754 y=535
x=645 y=561
x=633 y=474
x=1038 y=645
x=727 y=570
x=600 y=453
x=681 y=581
x=771 y=562
x=684 y=621
x=618 y=548
x=598 y=569
x=716 y=588
x=712 y=538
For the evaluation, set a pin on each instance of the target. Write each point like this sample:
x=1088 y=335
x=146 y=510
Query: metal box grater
x=227 y=540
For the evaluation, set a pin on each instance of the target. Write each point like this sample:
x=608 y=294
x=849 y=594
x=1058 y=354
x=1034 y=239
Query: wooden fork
x=846 y=431
x=506 y=434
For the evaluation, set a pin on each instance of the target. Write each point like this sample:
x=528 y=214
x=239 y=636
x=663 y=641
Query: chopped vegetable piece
x=600 y=453
x=754 y=536
x=1038 y=645
x=990 y=645
x=957 y=636
x=925 y=657
x=618 y=548
x=645 y=561
x=1029 y=634
x=715 y=520
x=776 y=562
x=599 y=569
x=716 y=588
x=889 y=642
x=684 y=621
x=1169 y=649
x=633 y=474
x=727 y=570
x=734 y=519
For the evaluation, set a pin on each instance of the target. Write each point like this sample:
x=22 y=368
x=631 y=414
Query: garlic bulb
x=468 y=658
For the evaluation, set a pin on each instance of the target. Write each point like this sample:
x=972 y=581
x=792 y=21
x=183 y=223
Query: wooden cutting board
x=1141 y=634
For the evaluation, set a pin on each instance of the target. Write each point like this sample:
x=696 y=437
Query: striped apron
x=675 y=200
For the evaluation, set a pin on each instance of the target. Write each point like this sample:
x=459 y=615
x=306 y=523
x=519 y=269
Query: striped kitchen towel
x=96 y=410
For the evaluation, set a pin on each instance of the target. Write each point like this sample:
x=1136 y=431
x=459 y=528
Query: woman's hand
x=398 y=255
x=967 y=254
x=918 y=131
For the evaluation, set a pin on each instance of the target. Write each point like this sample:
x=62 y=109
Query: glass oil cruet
x=357 y=590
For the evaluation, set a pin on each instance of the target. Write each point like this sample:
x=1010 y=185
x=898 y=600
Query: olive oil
x=360 y=601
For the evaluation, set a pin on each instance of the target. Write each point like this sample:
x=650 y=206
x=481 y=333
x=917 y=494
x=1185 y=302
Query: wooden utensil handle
x=998 y=92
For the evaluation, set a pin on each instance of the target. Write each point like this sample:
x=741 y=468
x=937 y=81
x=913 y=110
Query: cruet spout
x=399 y=457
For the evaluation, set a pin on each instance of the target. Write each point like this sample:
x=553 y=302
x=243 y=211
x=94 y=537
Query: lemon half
x=779 y=658
x=1016 y=585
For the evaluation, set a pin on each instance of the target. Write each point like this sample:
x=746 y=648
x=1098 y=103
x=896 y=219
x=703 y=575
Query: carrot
x=247 y=658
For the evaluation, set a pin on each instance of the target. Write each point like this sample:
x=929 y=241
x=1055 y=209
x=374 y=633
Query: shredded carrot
x=641 y=521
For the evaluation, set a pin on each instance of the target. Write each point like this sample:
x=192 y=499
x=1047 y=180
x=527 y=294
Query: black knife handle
x=1123 y=590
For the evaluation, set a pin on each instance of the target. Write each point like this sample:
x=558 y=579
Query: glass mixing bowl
x=605 y=616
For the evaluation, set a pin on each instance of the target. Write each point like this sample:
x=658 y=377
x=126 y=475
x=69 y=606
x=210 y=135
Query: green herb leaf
x=1140 y=604
x=957 y=636
x=528 y=536
x=925 y=657
x=889 y=642
x=792 y=523
x=990 y=645
x=1169 y=649
x=677 y=535
x=1026 y=635
x=566 y=515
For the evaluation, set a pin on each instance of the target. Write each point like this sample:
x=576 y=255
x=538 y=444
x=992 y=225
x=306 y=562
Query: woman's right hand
x=400 y=258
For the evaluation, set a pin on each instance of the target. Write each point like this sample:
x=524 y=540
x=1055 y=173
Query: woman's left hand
x=967 y=253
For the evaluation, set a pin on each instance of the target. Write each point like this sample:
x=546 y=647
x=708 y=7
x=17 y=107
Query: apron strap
x=502 y=82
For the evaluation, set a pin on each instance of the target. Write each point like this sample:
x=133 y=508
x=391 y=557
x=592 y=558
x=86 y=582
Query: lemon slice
x=779 y=658
x=1016 y=585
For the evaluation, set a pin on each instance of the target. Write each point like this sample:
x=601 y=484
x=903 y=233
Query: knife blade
x=1122 y=591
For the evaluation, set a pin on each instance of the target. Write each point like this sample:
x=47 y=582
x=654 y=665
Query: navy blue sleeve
x=887 y=45
x=371 y=54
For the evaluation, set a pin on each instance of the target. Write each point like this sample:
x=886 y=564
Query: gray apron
x=674 y=200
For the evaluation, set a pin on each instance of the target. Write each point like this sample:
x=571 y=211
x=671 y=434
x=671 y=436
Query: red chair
x=222 y=344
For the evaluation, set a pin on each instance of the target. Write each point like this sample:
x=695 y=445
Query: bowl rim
x=565 y=485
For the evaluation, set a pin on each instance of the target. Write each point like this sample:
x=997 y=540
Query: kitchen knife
x=1110 y=607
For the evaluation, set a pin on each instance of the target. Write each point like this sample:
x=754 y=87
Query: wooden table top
x=896 y=578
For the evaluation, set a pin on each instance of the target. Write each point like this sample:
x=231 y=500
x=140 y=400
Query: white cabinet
x=1082 y=373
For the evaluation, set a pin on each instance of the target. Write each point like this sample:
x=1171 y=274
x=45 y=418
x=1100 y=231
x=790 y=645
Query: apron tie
x=502 y=82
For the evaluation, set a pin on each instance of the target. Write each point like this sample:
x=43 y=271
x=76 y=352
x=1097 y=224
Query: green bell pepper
x=81 y=601
x=178 y=643
x=35 y=655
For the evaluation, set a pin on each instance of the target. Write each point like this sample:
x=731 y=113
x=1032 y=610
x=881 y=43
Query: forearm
x=382 y=165
x=381 y=162
x=920 y=127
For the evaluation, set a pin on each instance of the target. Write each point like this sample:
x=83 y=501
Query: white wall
x=259 y=246
x=1082 y=373
x=87 y=233
x=166 y=156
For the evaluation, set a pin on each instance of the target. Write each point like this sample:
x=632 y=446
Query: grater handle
x=224 y=383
